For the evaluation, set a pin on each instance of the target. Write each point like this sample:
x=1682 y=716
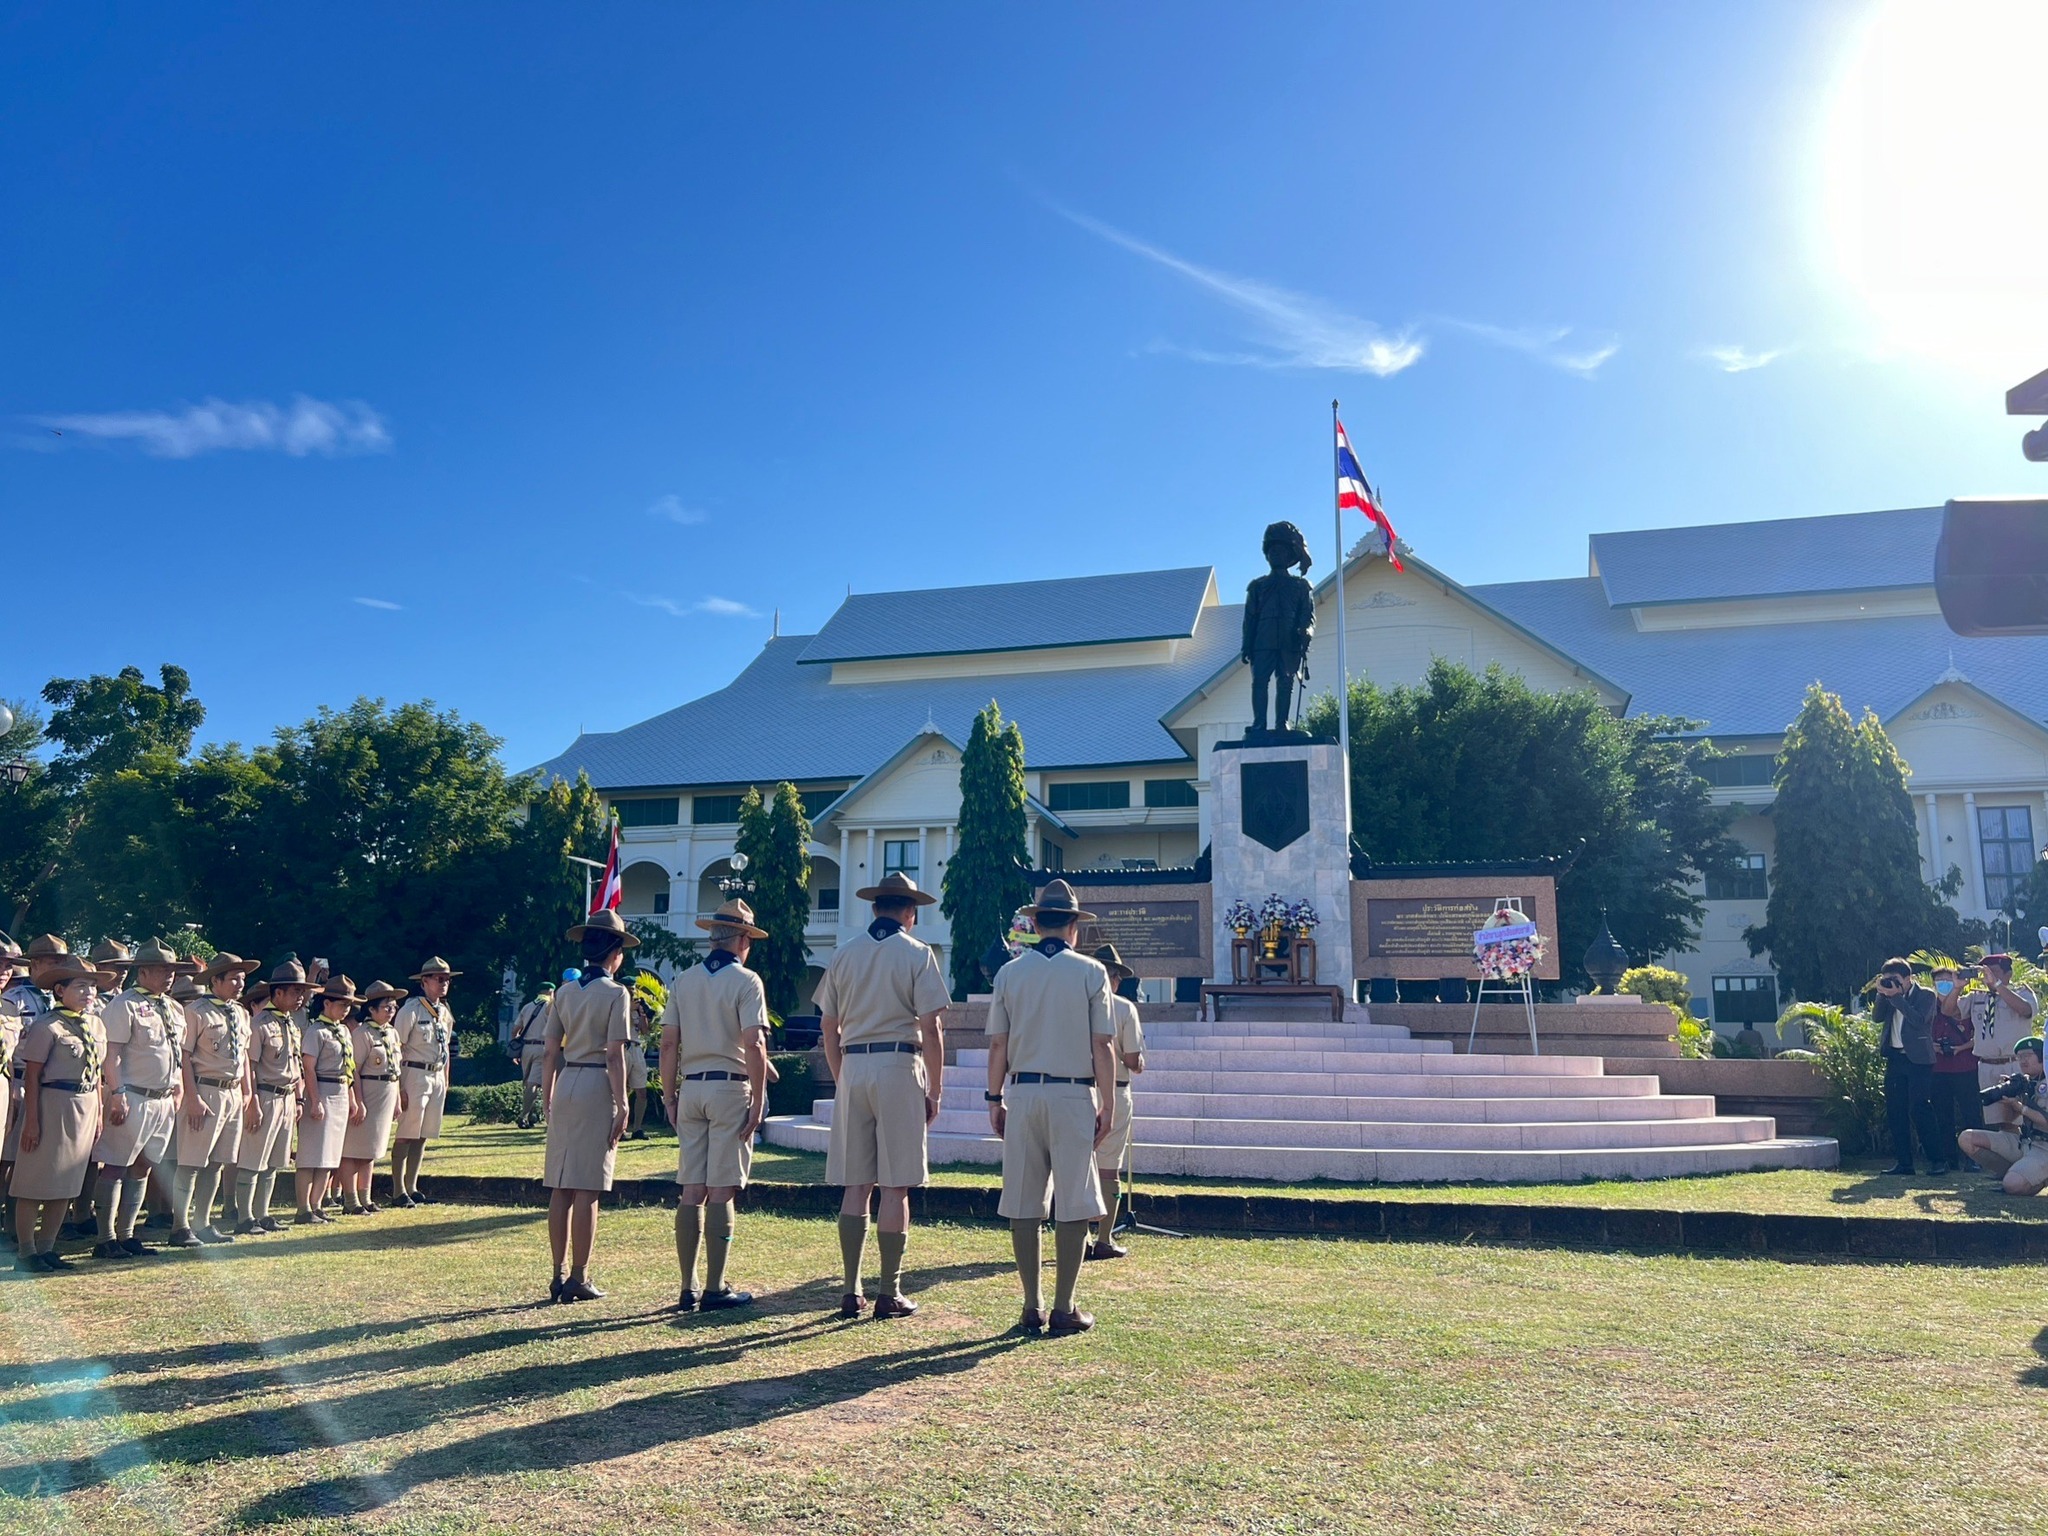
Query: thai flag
x=610 y=888
x=1354 y=491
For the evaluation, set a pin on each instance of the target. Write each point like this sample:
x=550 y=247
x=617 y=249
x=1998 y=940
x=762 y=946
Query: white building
x=1123 y=684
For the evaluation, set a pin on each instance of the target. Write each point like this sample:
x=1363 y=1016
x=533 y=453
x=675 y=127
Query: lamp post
x=736 y=883
x=15 y=769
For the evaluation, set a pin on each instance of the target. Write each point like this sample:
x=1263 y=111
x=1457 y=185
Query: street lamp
x=15 y=769
x=736 y=883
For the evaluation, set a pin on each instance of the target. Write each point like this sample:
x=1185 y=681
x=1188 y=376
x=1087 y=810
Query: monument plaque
x=1150 y=930
x=1421 y=930
x=1275 y=799
x=1421 y=925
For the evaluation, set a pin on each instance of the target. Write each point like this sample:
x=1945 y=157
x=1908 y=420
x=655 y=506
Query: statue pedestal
x=1282 y=822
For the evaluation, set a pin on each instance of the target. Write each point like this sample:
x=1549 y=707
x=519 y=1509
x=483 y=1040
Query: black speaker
x=1991 y=567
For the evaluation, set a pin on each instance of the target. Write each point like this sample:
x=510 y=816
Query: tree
x=776 y=838
x=32 y=824
x=1846 y=891
x=985 y=881
x=1469 y=766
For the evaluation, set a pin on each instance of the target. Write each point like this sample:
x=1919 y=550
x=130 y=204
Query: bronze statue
x=1279 y=622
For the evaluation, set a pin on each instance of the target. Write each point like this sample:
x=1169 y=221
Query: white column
x=845 y=885
x=1933 y=839
x=1972 y=873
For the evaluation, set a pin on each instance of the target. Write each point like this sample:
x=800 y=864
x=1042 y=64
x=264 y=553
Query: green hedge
x=793 y=1095
x=486 y=1103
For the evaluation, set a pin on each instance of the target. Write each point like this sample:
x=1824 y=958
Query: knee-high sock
x=129 y=1211
x=107 y=1205
x=205 y=1189
x=1069 y=1242
x=409 y=1155
x=718 y=1243
x=1111 y=1192
x=266 y=1186
x=242 y=1195
x=181 y=1198
x=689 y=1237
x=1027 y=1241
x=892 y=1245
x=853 y=1241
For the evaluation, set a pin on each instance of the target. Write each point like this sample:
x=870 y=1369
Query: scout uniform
x=529 y=1034
x=1995 y=1027
x=1109 y=1157
x=1051 y=1004
x=426 y=1037
x=586 y=1018
x=70 y=1048
x=216 y=1066
x=10 y=1037
x=715 y=1021
x=328 y=1046
x=275 y=1038
x=26 y=1001
x=377 y=1066
x=145 y=1042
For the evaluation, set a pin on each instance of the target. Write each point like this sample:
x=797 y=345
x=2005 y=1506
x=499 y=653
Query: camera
x=2015 y=1086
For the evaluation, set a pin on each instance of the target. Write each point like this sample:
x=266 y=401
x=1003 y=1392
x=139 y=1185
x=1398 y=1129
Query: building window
x=1744 y=882
x=661 y=903
x=2006 y=834
x=1745 y=999
x=899 y=857
x=828 y=898
x=1095 y=795
x=1747 y=770
x=1164 y=794
x=715 y=810
x=652 y=811
x=1055 y=855
x=1140 y=863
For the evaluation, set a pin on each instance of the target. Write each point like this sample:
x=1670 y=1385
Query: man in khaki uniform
x=714 y=1077
x=145 y=1040
x=276 y=1032
x=217 y=1087
x=11 y=961
x=1129 y=1047
x=880 y=999
x=2000 y=1013
x=1051 y=1094
x=529 y=1050
x=426 y=1044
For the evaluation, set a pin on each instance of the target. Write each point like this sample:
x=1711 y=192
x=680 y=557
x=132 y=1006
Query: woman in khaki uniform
x=218 y=1086
x=329 y=1093
x=1129 y=1047
x=275 y=1037
x=61 y=1055
x=584 y=1087
x=377 y=1066
x=10 y=1038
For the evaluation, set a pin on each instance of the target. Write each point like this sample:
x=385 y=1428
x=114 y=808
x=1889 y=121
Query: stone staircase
x=1362 y=1102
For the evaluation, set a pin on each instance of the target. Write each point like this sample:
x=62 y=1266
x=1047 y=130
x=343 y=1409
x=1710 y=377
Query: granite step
x=1409 y=1084
x=1411 y=1060
x=1179 y=1029
x=1285 y=1108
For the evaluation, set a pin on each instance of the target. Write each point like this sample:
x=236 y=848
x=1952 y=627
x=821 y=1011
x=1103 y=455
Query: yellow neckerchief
x=291 y=1030
x=338 y=1028
x=387 y=1040
x=90 y=1051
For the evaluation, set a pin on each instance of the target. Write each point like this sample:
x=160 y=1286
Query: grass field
x=391 y=1376
x=1858 y=1190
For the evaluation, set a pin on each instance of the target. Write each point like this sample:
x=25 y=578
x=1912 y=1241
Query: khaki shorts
x=146 y=1135
x=2005 y=1111
x=2029 y=1159
x=636 y=1067
x=426 y=1093
x=268 y=1148
x=219 y=1136
x=878 y=1122
x=1111 y=1153
x=712 y=1144
x=1049 y=1153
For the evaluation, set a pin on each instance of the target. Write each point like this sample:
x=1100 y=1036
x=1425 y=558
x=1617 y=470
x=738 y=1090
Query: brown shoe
x=1032 y=1321
x=893 y=1306
x=1062 y=1323
x=1106 y=1248
x=852 y=1306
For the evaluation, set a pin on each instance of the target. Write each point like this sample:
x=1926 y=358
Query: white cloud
x=306 y=426
x=384 y=603
x=1302 y=331
x=1735 y=359
x=670 y=508
x=718 y=607
x=1544 y=343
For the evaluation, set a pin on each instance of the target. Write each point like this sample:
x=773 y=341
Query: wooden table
x=1213 y=991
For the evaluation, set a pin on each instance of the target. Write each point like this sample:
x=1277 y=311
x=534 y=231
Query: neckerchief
x=387 y=1041
x=882 y=927
x=292 y=1034
x=174 y=1037
x=90 y=1051
x=231 y=1038
x=338 y=1029
x=718 y=960
x=1051 y=947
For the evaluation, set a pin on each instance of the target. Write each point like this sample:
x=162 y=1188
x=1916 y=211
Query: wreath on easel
x=1508 y=948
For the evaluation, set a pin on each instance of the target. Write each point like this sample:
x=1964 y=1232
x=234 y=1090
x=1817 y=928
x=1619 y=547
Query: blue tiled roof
x=780 y=719
x=1857 y=552
x=1749 y=681
x=1013 y=616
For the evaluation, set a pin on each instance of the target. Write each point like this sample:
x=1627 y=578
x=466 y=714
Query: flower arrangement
x=1239 y=917
x=1273 y=911
x=1507 y=959
x=1023 y=932
x=1303 y=918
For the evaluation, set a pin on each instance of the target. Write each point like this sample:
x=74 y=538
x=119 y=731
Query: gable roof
x=1013 y=616
x=1785 y=557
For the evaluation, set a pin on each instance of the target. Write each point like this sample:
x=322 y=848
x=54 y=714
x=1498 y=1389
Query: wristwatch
x=993 y=1098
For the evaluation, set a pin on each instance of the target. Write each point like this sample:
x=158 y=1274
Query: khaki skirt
x=320 y=1140
x=580 y=1154
x=55 y=1170
x=372 y=1139
x=10 y=1118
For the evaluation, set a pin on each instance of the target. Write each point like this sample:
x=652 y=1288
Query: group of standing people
x=132 y=1072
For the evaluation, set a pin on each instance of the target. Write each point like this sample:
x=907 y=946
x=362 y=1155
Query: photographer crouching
x=2020 y=1154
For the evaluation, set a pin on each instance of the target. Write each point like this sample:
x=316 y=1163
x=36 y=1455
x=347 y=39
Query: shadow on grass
x=2037 y=1375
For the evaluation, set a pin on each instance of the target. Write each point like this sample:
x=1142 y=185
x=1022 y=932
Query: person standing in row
x=1999 y=1013
x=329 y=1092
x=1051 y=1094
x=217 y=1087
x=880 y=1000
x=589 y=1026
x=426 y=1038
x=636 y=1069
x=10 y=1084
x=30 y=998
x=529 y=1031
x=276 y=1034
x=377 y=1066
x=1129 y=1047
x=714 y=1079
x=62 y=1053
x=145 y=1033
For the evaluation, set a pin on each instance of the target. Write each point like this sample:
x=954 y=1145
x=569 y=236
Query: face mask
x=1944 y=987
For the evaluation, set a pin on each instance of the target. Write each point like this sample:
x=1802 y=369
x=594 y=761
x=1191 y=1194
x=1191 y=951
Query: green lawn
x=1858 y=1190
x=392 y=1376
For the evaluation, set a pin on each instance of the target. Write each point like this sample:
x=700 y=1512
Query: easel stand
x=1126 y=1217
x=1520 y=989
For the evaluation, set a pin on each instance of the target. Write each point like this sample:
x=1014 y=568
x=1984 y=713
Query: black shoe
x=1060 y=1324
x=368 y=1209
x=638 y=1136
x=183 y=1237
x=894 y=1306
x=212 y=1236
x=685 y=1302
x=26 y=1265
x=852 y=1306
x=136 y=1248
x=54 y=1261
x=249 y=1228
x=555 y=1289
x=722 y=1298
x=1940 y=1170
x=1900 y=1171
x=79 y=1229
x=270 y=1224
x=305 y=1219
x=110 y=1249
x=581 y=1290
x=404 y=1202
x=1105 y=1248
x=420 y=1199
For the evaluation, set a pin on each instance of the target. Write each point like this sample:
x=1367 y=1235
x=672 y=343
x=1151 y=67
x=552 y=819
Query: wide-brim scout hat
x=157 y=952
x=435 y=966
x=184 y=990
x=288 y=973
x=256 y=994
x=379 y=990
x=1058 y=901
x=606 y=921
x=45 y=946
x=337 y=989
x=110 y=955
x=65 y=969
x=734 y=914
x=224 y=962
x=1112 y=961
x=896 y=886
x=9 y=950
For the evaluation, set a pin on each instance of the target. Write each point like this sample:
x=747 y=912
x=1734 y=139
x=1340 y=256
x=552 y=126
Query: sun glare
x=1935 y=198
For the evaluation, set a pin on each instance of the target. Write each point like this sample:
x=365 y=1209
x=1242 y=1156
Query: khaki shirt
x=323 y=1045
x=425 y=1032
x=146 y=1034
x=376 y=1050
x=587 y=1016
x=1995 y=1025
x=29 y=1001
x=274 y=1048
x=216 y=1038
x=528 y=1030
x=70 y=1047
x=10 y=1033
x=712 y=1014
x=879 y=988
x=1130 y=1034
x=1052 y=1007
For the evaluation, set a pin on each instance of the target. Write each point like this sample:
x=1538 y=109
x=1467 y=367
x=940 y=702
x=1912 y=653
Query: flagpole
x=1343 y=662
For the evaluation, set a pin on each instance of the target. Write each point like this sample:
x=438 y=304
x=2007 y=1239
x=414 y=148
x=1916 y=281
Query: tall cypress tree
x=775 y=836
x=984 y=885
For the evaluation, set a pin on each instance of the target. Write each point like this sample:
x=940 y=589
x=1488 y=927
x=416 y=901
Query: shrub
x=1696 y=1038
x=487 y=1103
x=792 y=1095
x=1844 y=1047
x=1657 y=984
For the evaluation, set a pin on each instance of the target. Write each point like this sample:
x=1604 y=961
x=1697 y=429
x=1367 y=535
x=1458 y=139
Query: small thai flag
x=1354 y=491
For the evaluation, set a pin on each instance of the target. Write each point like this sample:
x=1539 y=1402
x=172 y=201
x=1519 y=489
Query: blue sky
x=530 y=358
